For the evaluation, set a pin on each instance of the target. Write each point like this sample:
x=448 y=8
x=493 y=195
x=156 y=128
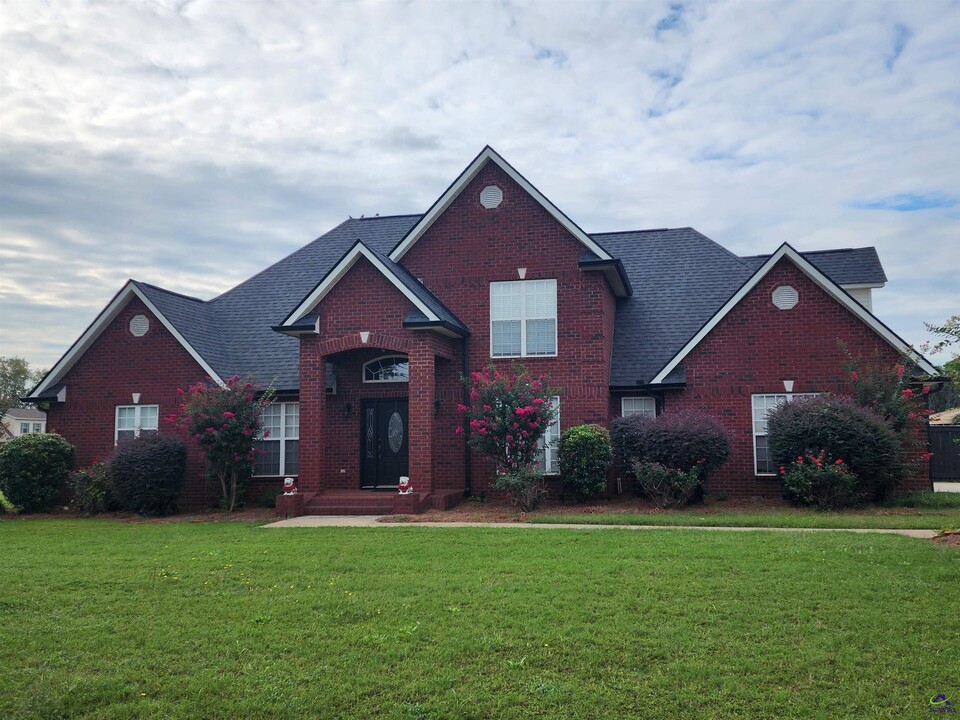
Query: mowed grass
x=101 y=619
x=938 y=518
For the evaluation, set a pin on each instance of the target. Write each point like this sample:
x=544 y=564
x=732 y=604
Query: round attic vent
x=139 y=324
x=785 y=297
x=491 y=196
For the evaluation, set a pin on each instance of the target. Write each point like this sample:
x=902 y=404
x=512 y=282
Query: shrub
x=585 y=457
x=683 y=440
x=839 y=426
x=7 y=506
x=88 y=488
x=819 y=481
x=667 y=487
x=146 y=474
x=524 y=486
x=33 y=469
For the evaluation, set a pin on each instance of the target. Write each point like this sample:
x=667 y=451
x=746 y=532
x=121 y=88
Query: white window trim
x=282 y=439
x=787 y=397
x=363 y=369
x=523 y=319
x=551 y=464
x=623 y=409
x=137 y=424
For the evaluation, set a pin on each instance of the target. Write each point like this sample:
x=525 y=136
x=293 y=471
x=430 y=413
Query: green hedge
x=33 y=470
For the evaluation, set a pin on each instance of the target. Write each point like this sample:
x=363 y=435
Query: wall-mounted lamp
x=436 y=408
x=347 y=409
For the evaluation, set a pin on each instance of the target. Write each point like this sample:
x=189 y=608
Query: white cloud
x=153 y=140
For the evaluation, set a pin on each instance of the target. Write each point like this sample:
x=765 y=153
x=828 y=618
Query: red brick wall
x=113 y=368
x=469 y=246
x=754 y=349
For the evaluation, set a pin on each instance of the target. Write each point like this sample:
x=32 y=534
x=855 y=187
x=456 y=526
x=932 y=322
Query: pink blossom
x=509 y=438
x=926 y=455
x=926 y=390
x=907 y=392
x=266 y=433
x=487 y=408
x=482 y=431
x=854 y=376
x=900 y=370
x=459 y=430
x=211 y=430
x=461 y=407
x=248 y=397
x=227 y=414
x=179 y=391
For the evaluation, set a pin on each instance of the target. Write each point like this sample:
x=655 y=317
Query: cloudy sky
x=190 y=144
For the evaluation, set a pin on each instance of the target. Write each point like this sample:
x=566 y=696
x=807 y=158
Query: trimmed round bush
x=33 y=469
x=146 y=474
x=844 y=430
x=681 y=440
x=585 y=457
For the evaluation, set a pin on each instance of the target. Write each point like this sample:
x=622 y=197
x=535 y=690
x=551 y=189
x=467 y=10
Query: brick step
x=352 y=502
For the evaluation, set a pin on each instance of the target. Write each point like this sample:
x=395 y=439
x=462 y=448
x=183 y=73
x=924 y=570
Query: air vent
x=491 y=196
x=139 y=324
x=785 y=297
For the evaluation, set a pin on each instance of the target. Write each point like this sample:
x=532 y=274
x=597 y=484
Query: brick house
x=366 y=331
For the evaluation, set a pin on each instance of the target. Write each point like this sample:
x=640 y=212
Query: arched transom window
x=389 y=368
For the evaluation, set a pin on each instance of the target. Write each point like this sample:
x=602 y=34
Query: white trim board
x=339 y=270
x=444 y=201
x=825 y=283
x=100 y=323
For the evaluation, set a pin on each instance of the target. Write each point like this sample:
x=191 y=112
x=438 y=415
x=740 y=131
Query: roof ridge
x=384 y=217
x=169 y=292
x=647 y=230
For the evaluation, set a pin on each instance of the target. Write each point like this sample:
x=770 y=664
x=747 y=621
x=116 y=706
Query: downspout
x=467 y=490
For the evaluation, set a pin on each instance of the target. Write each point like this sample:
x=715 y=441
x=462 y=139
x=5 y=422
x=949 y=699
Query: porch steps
x=365 y=502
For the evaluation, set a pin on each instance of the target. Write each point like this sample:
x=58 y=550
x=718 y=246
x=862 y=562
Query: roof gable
x=488 y=154
x=825 y=283
x=100 y=323
x=430 y=309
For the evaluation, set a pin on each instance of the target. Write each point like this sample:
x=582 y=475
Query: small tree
x=225 y=421
x=509 y=413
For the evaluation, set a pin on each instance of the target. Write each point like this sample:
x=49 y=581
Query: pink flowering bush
x=226 y=423
x=509 y=413
x=820 y=481
x=885 y=389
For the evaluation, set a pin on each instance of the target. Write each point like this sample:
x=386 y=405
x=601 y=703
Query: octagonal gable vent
x=491 y=196
x=139 y=324
x=785 y=297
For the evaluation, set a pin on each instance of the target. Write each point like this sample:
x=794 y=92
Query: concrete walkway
x=374 y=521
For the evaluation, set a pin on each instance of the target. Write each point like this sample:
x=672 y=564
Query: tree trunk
x=233 y=489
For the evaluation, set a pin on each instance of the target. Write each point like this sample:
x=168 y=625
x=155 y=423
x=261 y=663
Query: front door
x=384 y=443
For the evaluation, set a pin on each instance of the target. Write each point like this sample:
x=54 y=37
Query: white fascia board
x=93 y=331
x=861 y=286
x=334 y=276
x=831 y=288
x=440 y=206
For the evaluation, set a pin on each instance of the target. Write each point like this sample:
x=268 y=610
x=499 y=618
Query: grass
x=912 y=511
x=101 y=619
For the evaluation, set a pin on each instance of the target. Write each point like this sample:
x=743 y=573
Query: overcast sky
x=191 y=144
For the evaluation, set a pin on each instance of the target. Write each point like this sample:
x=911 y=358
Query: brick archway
x=355 y=341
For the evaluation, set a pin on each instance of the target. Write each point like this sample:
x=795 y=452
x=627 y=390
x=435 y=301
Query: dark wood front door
x=384 y=443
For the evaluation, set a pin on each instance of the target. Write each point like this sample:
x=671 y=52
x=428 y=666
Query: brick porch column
x=313 y=401
x=422 y=393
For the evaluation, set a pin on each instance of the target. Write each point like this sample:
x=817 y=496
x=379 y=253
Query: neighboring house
x=22 y=421
x=365 y=333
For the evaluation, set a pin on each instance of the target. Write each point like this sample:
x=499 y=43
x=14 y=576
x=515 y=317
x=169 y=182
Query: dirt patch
x=950 y=537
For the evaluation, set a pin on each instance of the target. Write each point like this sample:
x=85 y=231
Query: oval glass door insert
x=395 y=432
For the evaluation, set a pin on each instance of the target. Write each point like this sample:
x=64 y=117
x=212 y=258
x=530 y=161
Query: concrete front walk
x=374 y=521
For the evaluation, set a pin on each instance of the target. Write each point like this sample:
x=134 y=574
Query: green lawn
x=194 y=620
x=906 y=518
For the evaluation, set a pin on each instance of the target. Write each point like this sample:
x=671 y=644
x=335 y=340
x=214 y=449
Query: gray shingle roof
x=680 y=280
x=849 y=266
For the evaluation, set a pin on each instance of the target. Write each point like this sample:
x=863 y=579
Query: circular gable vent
x=785 y=297
x=491 y=196
x=139 y=324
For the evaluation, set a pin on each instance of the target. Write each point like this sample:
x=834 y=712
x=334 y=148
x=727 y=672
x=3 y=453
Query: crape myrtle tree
x=226 y=422
x=508 y=414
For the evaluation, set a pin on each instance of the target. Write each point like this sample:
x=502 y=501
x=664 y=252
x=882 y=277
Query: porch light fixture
x=347 y=409
x=788 y=385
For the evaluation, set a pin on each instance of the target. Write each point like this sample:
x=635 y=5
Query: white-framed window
x=547 y=461
x=135 y=420
x=38 y=427
x=523 y=318
x=762 y=405
x=389 y=368
x=24 y=428
x=638 y=406
x=278 y=453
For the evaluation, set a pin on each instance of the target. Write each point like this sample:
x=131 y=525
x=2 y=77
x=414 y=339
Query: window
x=547 y=461
x=762 y=405
x=390 y=368
x=278 y=453
x=638 y=406
x=134 y=420
x=38 y=427
x=523 y=318
x=24 y=428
